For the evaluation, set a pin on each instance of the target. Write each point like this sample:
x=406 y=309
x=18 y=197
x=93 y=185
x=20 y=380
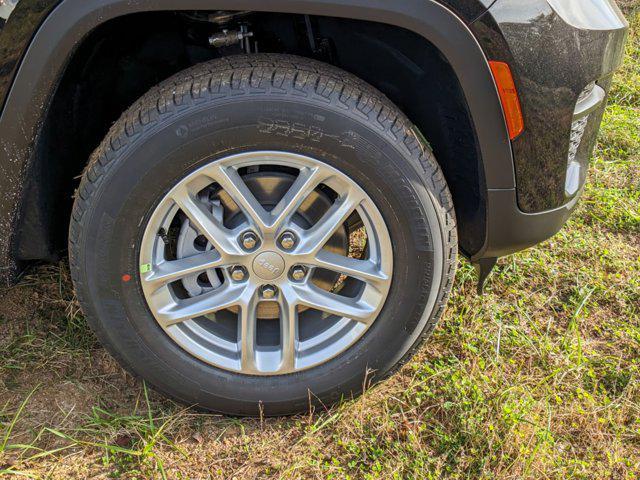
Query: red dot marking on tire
x=126 y=278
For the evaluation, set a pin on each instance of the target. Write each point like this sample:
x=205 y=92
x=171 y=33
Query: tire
x=232 y=106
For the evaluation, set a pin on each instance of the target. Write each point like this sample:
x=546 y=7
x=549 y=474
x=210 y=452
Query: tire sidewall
x=142 y=172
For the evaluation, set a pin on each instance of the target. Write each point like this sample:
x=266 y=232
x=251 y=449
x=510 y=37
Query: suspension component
x=227 y=38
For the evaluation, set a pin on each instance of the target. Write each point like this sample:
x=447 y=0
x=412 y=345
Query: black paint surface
x=553 y=62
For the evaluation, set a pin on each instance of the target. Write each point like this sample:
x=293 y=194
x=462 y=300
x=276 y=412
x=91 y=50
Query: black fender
x=70 y=21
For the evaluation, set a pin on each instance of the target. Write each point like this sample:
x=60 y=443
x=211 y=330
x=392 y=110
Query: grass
x=539 y=378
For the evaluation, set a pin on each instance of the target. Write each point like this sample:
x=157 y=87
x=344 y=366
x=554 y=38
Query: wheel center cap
x=268 y=265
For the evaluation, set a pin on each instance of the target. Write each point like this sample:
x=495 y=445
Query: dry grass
x=537 y=379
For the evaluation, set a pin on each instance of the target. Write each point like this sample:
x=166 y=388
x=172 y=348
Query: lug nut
x=287 y=240
x=298 y=273
x=238 y=274
x=249 y=240
x=268 y=291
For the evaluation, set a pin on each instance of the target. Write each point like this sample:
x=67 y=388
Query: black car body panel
x=469 y=10
x=40 y=37
x=553 y=59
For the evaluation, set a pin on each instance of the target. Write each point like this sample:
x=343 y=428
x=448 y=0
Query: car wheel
x=261 y=233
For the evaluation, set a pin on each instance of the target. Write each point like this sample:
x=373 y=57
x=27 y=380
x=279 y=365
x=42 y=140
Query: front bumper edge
x=510 y=230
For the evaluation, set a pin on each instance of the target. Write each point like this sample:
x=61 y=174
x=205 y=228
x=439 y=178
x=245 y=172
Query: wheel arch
x=73 y=20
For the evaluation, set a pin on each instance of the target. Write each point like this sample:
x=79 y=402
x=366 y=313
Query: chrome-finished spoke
x=172 y=270
x=204 y=222
x=355 y=309
x=364 y=270
x=305 y=183
x=205 y=304
x=317 y=236
x=247 y=335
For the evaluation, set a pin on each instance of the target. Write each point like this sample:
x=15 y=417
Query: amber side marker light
x=508 y=97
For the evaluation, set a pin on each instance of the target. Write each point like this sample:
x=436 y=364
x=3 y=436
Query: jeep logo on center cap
x=268 y=265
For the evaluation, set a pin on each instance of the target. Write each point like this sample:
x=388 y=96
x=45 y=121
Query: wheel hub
x=268 y=265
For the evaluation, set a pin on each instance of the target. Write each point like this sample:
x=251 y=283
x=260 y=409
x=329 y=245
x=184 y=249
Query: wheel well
x=123 y=58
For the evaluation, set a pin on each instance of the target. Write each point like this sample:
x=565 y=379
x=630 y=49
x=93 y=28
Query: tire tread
x=260 y=74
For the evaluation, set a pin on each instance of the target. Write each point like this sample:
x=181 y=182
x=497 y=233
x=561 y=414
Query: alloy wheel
x=266 y=263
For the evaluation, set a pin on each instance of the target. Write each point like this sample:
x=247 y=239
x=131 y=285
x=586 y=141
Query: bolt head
x=287 y=240
x=298 y=273
x=238 y=274
x=249 y=240
x=268 y=291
